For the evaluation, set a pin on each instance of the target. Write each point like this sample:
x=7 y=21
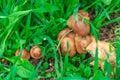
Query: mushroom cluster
x=35 y=52
x=76 y=38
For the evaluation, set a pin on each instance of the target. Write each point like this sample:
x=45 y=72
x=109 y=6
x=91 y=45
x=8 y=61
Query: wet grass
x=24 y=23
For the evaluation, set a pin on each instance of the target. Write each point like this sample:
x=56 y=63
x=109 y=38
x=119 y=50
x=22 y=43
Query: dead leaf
x=103 y=51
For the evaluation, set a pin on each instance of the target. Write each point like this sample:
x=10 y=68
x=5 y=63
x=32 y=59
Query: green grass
x=24 y=23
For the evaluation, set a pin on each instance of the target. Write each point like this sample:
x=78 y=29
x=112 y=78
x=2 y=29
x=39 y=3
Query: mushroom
x=25 y=54
x=80 y=26
x=103 y=51
x=68 y=45
x=83 y=14
x=66 y=32
x=81 y=43
x=35 y=52
x=62 y=33
x=67 y=37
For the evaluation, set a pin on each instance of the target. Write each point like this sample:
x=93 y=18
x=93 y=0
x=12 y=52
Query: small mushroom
x=68 y=45
x=35 y=52
x=80 y=27
x=81 y=43
x=25 y=54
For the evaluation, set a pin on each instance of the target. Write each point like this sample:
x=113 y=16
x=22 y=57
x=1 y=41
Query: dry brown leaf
x=103 y=50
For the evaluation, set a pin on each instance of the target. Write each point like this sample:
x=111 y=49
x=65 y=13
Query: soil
x=34 y=61
x=106 y=32
x=50 y=61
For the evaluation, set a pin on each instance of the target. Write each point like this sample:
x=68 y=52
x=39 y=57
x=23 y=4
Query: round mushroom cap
x=64 y=31
x=35 y=52
x=81 y=43
x=83 y=14
x=71 y=21
x=68 y=45
x=80 y=27
x=25 y=54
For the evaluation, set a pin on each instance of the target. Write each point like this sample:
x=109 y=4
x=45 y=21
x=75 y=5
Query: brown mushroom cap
x=25 y=54
x=83 y=14
x=71 y=35
x=81 y=43
x=68 y=45
x=71 y=21
x=64 y=31
x=35 y=52
x=80 y=27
